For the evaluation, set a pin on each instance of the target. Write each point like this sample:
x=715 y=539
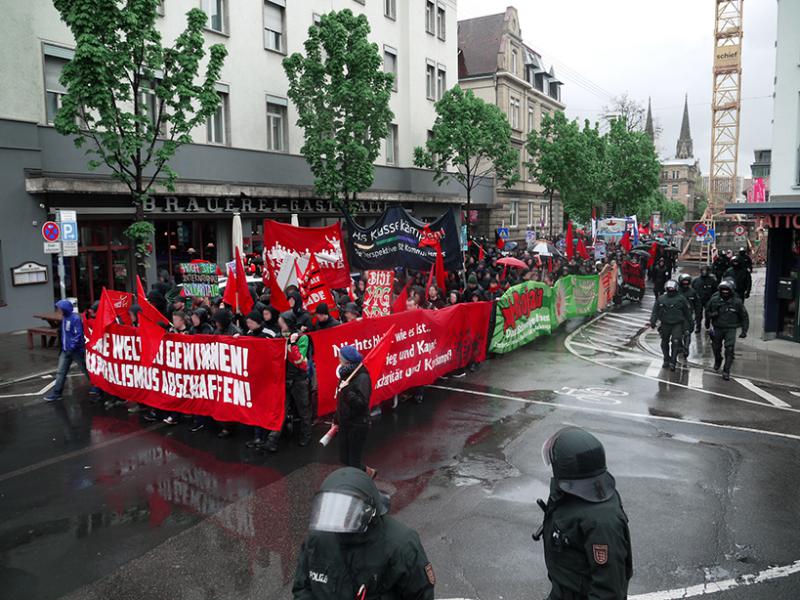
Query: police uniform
x=675 y=314
x=726 y=314
x=587 y=544
x=688 y=292
x=704 y=285
x=356 y=550
x=740 y=277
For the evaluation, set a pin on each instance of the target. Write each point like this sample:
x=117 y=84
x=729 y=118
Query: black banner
x=394 y=241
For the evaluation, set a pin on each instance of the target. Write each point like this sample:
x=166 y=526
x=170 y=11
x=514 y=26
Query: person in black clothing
x=660 y=275
x=223 y=319
x=352 y=408
x=740 y=276
x=255 y=325
x=201 y=322
x=324 y=318
x=271 y=315
x=721 y=264
x=301 y=317
x=745 y=258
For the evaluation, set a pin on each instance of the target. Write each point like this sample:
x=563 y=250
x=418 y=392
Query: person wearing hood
x=351 y=312
x=72 y=349
x=352 y=408
x=354 y=549
x=254 y=322
x=223 y=320
x=201 y=322
x=587 y=543
x=271 y=315
x=302 y=319
x=324 y=318
x=472 y=287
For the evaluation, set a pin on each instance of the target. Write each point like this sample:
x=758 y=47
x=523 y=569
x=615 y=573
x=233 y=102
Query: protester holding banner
x=201 y=322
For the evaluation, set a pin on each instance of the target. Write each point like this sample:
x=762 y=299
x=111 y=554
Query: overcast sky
x=649 y=48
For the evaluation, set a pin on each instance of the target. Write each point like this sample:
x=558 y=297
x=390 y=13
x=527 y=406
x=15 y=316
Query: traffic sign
x=69 y=231
x=708 y=239
x=67 y=215
x=51 y=231
x=52 y=247
x=700 y=229
x=740 y=230
x=70 y=248
x=503 y=232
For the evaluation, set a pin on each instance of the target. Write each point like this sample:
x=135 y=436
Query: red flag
x=570 y=248
x=150 y=328
x=375 y=361
x=625 y=242
x=277 y=298
x=652 y=252
x=313 y=287
x=229 y=295
x=244 y=299
x=582 y=251
x=441 y=274
x=430 y=282
x=105 y=316
x=399 y=304
x=121 y=302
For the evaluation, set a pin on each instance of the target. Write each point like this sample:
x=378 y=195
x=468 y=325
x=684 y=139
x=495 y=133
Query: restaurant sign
x=171 y=205
x=781 y=221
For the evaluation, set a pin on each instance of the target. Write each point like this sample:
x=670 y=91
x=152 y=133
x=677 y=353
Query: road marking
x=628 y=320
x=695 y=378
x=597 y=348
x=62 y=457
x=795 y=394
x=618 y=413
x=713 y=587
x=654 y=370
x=774 y=400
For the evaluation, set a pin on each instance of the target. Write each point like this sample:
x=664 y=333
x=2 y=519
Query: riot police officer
x=660 y=274
x=721 y=264
x=726 y=312
x=587 y=544
x=744 y=256
x=705 y=285
x=740 y=276
x=355 y=550
x=685 y=287
x=675 y=314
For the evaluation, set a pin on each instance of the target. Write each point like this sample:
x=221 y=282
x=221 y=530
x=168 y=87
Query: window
x=674 y=190
x=440 y=23
x=514 y=219
x=514 y=112
x=545 y=113
x=663 y=189
x=391 y=146
x=316 y=19
x=274 y=13
x=514 y=61
x=150 y=105
x=441 y=82
x=530 y=214
x=276 y=124
x=430 y=81
x=53 y=90
x=390 y=8
x=217 y=123
x=390 y=64
x=215 y=10
x=160 y=7
x=531 y=116
x=430 y=17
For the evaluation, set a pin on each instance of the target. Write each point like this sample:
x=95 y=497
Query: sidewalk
x=17 y=362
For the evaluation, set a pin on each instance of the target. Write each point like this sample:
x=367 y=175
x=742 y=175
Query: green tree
x=135 y=100
x=342 y=96
x=631 y=169
x=564 y=159
x=472 y=136
x=671 y=210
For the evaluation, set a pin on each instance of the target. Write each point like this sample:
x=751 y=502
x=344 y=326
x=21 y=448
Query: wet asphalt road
x=98 y=504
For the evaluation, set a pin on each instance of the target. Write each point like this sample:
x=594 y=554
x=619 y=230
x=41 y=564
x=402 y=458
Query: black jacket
x=352 y=401
x=331 y=322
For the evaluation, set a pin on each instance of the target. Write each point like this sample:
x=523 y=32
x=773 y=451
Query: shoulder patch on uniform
x=600 y=553
x=431 y=575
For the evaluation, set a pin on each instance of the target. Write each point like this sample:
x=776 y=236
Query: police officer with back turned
x=587 y=544
x=356 y=551
x=725 y=312
x=675 y=314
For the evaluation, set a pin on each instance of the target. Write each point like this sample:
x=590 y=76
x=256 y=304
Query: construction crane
x=725 y=114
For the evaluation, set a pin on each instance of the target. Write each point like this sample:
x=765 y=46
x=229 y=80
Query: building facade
x=497 y=65
x=680 y=175
x=780 y=215
x=246 y=159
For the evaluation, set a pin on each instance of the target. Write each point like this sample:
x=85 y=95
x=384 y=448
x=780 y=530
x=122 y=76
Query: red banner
x=608 y=287
x=229 y=379
x=427 y=345
x=282 y=241
x=378 y=294
x=314 y=289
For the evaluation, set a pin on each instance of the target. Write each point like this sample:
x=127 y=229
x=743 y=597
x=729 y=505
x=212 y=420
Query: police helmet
x=742 y=250
x=578 y=460
x=347 y=502
x=685 y=279
x=705 y=270
x=736 y=261
x=671 y=286
x=726 y=286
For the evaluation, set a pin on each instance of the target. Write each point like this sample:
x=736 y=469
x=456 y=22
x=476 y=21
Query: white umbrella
x=237 y=240
x=295 y=220
x=542 y=249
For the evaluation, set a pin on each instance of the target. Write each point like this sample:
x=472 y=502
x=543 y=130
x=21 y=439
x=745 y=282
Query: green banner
x=531 y=309
x=521 y=315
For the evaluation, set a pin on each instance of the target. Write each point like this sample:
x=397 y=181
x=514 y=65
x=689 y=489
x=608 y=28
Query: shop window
x=182 y=242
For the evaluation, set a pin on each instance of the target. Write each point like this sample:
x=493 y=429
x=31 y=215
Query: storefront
x=781 y=220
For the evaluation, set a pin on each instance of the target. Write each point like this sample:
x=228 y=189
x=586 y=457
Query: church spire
x=685 y=148
x=648 y=128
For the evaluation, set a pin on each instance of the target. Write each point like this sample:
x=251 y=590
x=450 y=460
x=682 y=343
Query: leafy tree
x=472 y=136
x=671 y=210
x=563 y=159
x=342 y=96
x=631 y=169
x=135 y=100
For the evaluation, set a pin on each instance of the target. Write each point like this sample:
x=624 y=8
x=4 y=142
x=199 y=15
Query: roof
x=479 y=43
x=679 y=162
x=791 y=207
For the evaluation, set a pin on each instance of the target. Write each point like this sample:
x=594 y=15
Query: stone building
x=680 y=175
x=499 y=67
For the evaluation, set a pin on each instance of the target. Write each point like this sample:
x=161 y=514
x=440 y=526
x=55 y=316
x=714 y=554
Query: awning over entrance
x=791 y=207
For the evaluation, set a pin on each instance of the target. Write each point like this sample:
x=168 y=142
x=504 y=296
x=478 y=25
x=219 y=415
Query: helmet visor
x=547 y=448
x=339 y=512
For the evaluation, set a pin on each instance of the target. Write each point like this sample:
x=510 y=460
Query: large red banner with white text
x=427 y=345
x=229 y=379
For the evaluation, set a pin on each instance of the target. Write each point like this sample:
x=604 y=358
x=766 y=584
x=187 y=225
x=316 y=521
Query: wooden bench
x=48 y=336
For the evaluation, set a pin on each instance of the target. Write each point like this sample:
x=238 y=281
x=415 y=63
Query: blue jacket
x=71 y=328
